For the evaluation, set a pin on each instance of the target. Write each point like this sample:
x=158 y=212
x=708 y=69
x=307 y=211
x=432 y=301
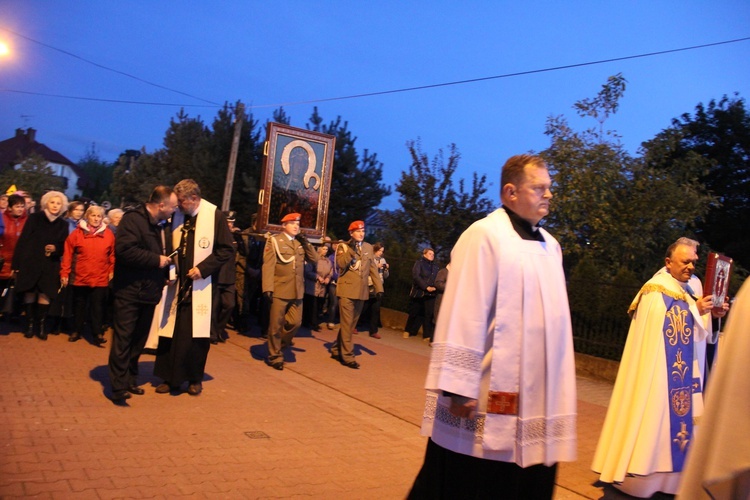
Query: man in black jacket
x=142 y=249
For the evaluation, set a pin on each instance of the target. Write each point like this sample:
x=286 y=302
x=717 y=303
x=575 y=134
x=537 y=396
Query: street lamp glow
x=4 y=49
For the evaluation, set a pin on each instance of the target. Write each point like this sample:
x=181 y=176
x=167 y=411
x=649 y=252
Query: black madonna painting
x=296 y=179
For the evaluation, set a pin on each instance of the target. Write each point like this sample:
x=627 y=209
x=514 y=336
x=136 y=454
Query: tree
x=34 y=176
x=98 y=174
x=713 y=147
x=433 y=211
x=614 y=208
x=356 y=182
x=193 y=150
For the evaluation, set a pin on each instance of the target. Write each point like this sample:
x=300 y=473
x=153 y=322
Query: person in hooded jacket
x=90 y=248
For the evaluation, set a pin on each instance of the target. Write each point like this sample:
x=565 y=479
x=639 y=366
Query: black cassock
x=183 y=358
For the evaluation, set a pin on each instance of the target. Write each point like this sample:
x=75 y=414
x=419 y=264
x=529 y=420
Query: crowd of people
x=501 y=385
x=58 y=260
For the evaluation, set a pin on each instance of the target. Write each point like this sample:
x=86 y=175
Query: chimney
x=19 y=132
x=31 y=134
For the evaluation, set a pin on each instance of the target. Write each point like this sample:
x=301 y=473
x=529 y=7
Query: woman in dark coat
x=36 y=260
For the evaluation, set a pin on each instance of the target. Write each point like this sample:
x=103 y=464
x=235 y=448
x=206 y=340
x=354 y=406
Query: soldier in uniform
x=356 y=261
x=284 y=284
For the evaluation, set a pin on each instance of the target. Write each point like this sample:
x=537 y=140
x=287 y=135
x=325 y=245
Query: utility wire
x=99 y=99
x=507 y=75
x=368 y=94
x=101 y=66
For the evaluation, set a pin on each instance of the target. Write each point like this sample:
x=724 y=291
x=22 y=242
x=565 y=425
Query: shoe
x=315 y=329
x=42 y=335
x=278 y=365
x=74 y=337
x=336 y=357
x=330 y=326
x=351 y=364
x=29 y=334
x=375 y=335
x=134 y=389
x=426 y=340
x=214 y=341
x=406 y=335
x=195 y=389
x=163 y=388
x=120 y=396
x=100 y=340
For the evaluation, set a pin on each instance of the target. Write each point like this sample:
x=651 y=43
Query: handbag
x=8 y=297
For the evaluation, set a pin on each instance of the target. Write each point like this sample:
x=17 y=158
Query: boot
x=42 y=314
x=30 y=324
x=75 y=336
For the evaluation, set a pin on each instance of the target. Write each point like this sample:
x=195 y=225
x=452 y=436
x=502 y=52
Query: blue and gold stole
x=678 y=343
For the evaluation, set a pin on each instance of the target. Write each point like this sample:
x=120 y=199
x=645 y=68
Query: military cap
x=357 y=224
x=291 y=217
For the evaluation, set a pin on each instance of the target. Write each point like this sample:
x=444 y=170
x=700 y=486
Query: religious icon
x=296 y=179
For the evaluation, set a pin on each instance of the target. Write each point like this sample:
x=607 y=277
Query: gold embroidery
x=677 y=328
x=681 y=368
x=649 y=288
x=682 y=437
x=681 y=401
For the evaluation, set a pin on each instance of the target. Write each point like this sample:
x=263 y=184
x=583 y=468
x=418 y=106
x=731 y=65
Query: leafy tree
x=356 y=181
x=98 y=174
x=434 y=212
x=135 y=176
x=619 y=210
x=712 y=146
x=34 y=176
x=193 y=150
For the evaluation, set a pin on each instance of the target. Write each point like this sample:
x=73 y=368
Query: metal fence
x=599 y=328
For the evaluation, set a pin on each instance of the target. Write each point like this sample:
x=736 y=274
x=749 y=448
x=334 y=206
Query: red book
x=718 y=271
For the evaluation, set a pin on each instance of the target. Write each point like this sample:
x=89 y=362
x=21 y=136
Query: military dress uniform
x=282 y=274
x=356 y=262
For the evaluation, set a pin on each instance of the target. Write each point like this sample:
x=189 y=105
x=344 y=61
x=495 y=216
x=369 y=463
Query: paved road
x=314 y=430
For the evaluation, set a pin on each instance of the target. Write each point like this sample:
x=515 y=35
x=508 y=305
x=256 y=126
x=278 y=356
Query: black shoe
x=351 y=364
x=120 y=395
x=100 y=340
x=195 y=389
x=163 y=388
x=42 y=335
x=134 y=389
x=277 y=365
x=336 y=357
x=29 y=335
x=75 y=336
x=214 y=341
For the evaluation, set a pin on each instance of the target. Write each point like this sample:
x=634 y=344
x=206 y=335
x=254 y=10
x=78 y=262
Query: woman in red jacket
x=14 y=218
x=90 y=251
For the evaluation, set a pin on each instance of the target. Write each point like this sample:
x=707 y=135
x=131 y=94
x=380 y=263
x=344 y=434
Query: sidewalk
x=314 y=430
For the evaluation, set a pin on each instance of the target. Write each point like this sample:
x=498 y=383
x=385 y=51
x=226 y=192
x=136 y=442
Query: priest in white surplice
x=201 y=238
x=501 y=397
x=657 y=397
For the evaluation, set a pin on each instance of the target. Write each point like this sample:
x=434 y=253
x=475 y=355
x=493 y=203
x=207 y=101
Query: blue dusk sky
x=127 y=67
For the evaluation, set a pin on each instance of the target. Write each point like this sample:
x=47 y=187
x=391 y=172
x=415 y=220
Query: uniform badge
x=204 y=242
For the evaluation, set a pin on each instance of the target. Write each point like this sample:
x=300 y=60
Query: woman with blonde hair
x=36 y=260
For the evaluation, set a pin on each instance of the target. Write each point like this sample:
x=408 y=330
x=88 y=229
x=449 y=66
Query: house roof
x=23 y=144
